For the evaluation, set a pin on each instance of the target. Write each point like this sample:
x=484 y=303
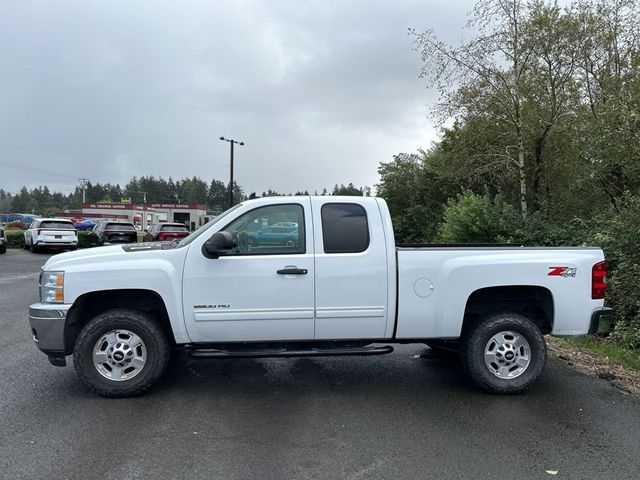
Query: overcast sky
x=320 y=91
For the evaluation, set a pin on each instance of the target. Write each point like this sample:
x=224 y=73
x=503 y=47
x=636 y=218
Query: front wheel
x=504 y=353
x=121 y=353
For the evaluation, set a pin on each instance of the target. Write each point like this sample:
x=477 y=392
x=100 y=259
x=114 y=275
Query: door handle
x=293 y=271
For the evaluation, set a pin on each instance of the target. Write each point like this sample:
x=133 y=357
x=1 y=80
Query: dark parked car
x=115 y=232
x=161 y=232
x=3 y=241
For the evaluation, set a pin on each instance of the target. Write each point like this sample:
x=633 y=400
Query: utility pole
x=83 y=184
x=231 y=142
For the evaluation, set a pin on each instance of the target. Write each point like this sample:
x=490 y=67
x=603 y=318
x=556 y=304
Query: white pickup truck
x=332 y=283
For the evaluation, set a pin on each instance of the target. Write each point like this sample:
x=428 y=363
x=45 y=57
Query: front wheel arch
x=91 y=304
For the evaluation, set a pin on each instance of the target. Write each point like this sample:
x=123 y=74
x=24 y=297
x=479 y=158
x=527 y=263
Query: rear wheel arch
x=91 y=304
x=531 y=301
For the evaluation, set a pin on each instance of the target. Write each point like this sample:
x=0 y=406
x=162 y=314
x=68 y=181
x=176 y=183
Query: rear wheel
x=3 y=249
x=504 y=353
x=121 y=353
x=33 y=248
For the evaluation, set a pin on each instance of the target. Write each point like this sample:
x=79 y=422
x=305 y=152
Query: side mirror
x=219 y=242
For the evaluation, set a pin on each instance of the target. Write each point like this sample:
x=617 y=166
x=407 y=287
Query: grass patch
x=606 y=348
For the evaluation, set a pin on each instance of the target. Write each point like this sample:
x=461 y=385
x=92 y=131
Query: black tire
x=33 y=248
x=157 y=347
x=476 y=339
x=3 y=249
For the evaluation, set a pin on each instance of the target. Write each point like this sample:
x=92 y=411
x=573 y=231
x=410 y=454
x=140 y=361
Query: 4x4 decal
x=562 y=272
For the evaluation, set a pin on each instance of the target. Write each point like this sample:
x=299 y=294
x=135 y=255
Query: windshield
x=190 y=238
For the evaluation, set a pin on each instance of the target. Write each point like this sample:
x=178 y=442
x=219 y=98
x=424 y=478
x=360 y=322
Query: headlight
x=52 y=287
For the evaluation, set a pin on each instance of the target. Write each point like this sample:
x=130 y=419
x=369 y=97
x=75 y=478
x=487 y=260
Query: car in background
x=59 y=233
x=275 y=235
x=162 y=232
x=114 y=231
x=3 y=241
x=85 y=225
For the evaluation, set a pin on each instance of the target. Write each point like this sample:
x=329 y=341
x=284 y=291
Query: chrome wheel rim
x=119 y=355
x=507 y=355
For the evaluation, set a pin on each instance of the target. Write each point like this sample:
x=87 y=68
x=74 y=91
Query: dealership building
x=193 y=215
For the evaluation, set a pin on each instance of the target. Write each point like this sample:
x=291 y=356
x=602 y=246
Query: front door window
x=271 y=230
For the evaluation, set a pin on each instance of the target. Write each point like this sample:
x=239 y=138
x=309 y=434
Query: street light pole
x=231 y=142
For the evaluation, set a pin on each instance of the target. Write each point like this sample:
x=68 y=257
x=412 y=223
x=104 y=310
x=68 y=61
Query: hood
x=98 y=255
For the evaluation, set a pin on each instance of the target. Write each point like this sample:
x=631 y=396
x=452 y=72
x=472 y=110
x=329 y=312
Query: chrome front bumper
x=47 y=326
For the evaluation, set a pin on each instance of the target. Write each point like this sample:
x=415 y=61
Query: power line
x=35 y=170
x=102 y=156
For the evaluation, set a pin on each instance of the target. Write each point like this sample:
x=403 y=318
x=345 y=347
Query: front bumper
x=47 y=326
x=596 y=319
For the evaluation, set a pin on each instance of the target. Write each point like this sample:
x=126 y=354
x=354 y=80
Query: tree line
x=213 y=194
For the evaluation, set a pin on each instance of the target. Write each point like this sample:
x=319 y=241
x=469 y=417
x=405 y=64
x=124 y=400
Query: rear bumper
x=596 y=319
x=47 y=323
x=56 y=243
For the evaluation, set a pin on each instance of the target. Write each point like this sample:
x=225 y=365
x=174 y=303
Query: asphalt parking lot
x=407 y=415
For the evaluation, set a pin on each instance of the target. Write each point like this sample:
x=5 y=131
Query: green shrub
x=627 y=334
x=87 y=239
x=472 y=218
x=539 y=231
x=15 y=238
x=620 y=239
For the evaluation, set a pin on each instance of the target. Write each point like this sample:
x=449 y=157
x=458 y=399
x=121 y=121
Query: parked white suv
x=51 y=232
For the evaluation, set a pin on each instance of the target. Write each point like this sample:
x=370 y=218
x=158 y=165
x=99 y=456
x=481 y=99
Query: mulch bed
x=623 y=378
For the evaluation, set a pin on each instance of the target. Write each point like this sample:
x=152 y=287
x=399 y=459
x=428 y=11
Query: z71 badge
x=562 y=272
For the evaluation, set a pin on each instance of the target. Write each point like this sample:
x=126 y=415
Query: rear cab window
x=345 y=228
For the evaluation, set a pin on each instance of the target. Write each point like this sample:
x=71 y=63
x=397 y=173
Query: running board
x=270 y=353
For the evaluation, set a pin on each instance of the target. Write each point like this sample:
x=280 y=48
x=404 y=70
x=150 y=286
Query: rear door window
x=345 y=228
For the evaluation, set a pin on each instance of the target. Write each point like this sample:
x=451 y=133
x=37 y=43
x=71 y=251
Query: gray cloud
x=321 y=92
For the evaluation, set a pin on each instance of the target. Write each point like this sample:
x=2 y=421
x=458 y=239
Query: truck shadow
x=399 y=373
